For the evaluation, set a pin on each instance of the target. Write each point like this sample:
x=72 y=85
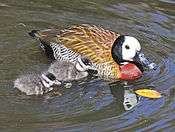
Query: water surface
x=90 y=105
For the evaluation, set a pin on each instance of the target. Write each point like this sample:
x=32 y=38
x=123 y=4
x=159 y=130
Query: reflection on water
x=90 y=105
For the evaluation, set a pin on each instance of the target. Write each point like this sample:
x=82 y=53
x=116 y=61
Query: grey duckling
x=68 y=71
x=38 y=84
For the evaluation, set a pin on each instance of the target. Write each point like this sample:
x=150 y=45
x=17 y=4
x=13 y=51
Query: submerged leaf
x=148 y=93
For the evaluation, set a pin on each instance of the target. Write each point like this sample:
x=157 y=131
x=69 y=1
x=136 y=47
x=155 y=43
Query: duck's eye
x=127 y=47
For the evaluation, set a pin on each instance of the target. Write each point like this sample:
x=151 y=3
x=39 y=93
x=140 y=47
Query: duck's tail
x=46 y=38
x=41 y=34
x=34 y=33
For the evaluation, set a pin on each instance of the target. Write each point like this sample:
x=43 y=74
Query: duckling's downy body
x=32 y=84
x=66 y=71
x=114 y=56
x=37 y=84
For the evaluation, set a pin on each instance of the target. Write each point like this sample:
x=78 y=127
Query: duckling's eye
x=127 y=47
x=51 y=76
x=86 y=61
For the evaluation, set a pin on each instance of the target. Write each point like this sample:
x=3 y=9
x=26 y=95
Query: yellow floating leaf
x=148 y=93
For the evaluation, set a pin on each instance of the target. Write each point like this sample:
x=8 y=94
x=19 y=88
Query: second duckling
x=67 y=71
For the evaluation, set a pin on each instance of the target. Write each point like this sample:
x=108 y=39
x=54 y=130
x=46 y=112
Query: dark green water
x=93 y=105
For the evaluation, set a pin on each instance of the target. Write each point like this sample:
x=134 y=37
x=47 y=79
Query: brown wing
x=91 y=41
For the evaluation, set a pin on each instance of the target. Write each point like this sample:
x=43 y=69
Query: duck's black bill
x=144 y=62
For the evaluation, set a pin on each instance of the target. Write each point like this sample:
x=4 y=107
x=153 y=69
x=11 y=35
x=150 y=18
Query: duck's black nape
x=116 y=50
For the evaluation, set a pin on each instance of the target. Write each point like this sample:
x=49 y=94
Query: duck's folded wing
x=90 y=41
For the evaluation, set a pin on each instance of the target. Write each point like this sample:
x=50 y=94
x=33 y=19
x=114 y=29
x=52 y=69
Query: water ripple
x=90 y=105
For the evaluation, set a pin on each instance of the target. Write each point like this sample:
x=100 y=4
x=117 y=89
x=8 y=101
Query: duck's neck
x=137 y=64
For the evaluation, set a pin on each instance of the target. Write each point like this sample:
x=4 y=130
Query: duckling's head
x=127 y=49
x=83 y=64
x=48 y=80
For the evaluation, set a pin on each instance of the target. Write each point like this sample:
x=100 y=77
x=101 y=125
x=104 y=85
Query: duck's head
x=127 y=50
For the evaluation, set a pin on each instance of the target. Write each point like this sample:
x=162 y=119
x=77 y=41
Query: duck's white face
x=130 y=47
x=127 y=49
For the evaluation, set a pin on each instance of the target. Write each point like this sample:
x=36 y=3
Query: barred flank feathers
x=63 y=53
x=106 y=71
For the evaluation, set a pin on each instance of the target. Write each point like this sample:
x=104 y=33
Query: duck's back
x=92 y=42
